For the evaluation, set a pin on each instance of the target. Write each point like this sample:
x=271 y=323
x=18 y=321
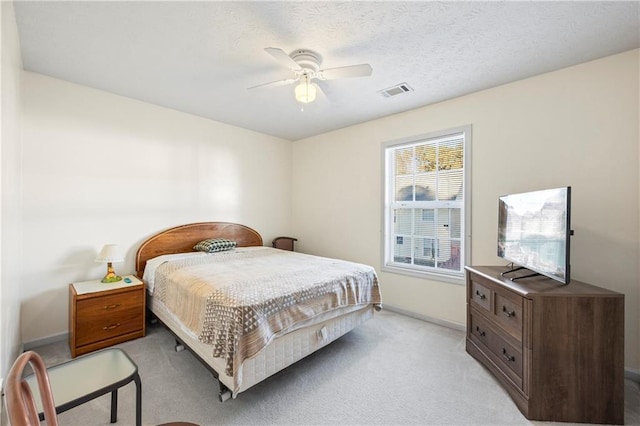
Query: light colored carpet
x=392 y=370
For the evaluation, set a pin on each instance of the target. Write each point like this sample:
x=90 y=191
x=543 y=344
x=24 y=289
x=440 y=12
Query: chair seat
x=87 y=377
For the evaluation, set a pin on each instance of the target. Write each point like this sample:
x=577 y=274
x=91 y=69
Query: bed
x=250 y=311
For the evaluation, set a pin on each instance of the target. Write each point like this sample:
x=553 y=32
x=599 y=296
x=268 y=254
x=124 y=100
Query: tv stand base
x=519 y=268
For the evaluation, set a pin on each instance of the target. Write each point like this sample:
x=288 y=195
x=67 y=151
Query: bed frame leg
x=151 y=317
x=179 y=347
x=225 y=393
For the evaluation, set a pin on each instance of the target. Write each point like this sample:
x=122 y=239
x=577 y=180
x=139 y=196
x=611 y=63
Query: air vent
x=398 y=89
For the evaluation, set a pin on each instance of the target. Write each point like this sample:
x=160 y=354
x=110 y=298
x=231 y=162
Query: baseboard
x=45 y=341
x=444 y=323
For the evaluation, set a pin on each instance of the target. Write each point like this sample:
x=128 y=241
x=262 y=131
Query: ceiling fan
x=305 y=65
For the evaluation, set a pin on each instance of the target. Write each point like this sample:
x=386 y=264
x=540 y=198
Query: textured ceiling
x=200 y=57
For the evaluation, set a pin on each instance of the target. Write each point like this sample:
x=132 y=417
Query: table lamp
x=110 y=253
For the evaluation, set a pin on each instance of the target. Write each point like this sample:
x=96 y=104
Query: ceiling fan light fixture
x=305 y=92
x=304 y=65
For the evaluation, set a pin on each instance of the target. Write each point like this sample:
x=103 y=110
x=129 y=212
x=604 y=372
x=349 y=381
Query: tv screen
x=534 y=229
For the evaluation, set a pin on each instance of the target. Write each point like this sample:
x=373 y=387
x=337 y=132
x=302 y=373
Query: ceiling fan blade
x=362 y=70
x=274 y=83
x=322 y=98
x=320 y=90
x=284 y=59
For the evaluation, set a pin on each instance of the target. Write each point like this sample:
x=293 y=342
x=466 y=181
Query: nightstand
x=103 y=314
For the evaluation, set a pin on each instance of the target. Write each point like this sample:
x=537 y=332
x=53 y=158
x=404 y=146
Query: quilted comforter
x=238 y=300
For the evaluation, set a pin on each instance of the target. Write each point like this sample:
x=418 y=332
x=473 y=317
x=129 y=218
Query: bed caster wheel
x=224 y=396
x=179 y=347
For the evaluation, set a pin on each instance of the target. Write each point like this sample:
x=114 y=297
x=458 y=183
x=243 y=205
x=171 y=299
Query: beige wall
x=10 y=208
x=577 y=126
x=100 y=168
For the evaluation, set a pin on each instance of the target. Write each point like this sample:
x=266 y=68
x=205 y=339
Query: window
x=426 y=204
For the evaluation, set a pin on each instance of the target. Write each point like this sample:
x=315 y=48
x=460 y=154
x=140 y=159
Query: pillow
x=213 y=245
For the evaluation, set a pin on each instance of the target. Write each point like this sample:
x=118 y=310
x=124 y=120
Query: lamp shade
x=110 y=253
x=305 y=92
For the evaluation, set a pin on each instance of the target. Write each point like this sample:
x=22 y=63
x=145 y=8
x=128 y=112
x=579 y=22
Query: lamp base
x=111 y=276
x=113 y=279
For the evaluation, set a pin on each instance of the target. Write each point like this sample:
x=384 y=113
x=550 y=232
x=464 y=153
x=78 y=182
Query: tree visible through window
x=425 y=203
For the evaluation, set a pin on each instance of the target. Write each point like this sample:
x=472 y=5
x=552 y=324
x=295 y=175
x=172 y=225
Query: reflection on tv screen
x=532 y=231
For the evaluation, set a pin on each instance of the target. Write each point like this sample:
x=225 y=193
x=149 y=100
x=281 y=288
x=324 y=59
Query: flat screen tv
x=534 y=230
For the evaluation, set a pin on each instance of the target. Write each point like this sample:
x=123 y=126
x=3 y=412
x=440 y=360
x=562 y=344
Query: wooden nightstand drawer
x=101 y=315
x=108 y=305
x=108 y=316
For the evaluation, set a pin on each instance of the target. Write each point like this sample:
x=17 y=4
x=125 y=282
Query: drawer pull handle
x=507 y=313
x=111 y=327
x=480 y=332
x=115 y=305
x=480 y=295
x=508 y=357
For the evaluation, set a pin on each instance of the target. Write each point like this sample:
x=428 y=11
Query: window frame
x=388 y=236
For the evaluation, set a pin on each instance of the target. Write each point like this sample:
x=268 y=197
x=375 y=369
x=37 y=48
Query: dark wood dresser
x=557 y=349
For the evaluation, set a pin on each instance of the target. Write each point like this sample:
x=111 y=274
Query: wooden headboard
x=181 y=239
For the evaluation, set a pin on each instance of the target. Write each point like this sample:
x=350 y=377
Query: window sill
x=451 y=279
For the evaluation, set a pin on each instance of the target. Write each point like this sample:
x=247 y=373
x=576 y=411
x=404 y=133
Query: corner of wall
x=10 y=198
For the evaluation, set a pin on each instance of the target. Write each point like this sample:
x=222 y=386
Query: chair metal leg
x=114 y=406
x=136 y=378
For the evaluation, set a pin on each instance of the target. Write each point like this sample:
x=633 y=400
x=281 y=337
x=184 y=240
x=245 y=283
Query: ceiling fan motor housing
x=307 y=59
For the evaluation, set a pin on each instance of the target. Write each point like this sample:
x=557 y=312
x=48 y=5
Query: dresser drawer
x=105 y=317
x=508 y=311
x=502 y=350
x=480 y=295
x=503 y=306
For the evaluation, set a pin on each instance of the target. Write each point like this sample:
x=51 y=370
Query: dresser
x=558 y=350
x=103 y=314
